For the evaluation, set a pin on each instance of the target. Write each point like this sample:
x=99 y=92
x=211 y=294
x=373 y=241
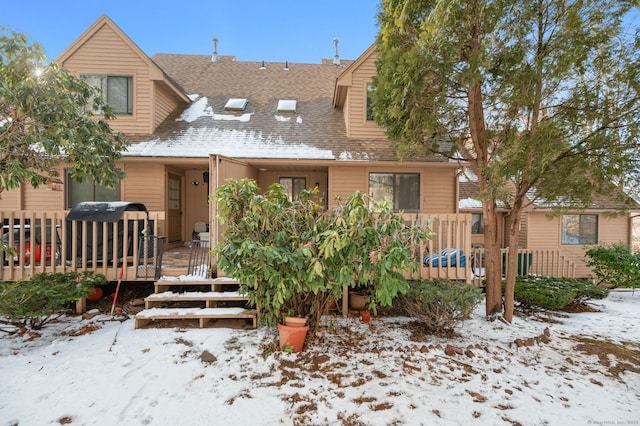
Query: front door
x=174 y=221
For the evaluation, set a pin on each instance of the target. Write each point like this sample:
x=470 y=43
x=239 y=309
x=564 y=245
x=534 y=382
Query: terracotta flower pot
x=366 y=316
x=292 y=336
x=95 y=294
x=295 y=321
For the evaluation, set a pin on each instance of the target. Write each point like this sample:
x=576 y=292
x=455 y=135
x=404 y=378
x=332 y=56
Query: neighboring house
x=543 y=230
x=194 y=121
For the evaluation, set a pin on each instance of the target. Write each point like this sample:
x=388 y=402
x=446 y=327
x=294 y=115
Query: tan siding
x=42 y=198
x=164 y=105
x=437 y=185
x=545 y=233
x=145 y=183
x=438 y=190
x=10 y=200
x=358 y=126
x=196 y=200
x=344 y=181
x=106 y=53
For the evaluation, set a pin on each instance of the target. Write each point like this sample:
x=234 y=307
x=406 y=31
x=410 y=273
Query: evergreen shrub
x=32 y=304
x=440 y=305
x=550 y=293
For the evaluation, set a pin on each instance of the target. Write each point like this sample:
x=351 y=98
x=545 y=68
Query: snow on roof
x=204 y=141
x=469 y=203
x=201 y=108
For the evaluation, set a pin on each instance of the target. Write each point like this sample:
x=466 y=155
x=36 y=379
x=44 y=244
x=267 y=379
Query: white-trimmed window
x=400 y=190
x=116 y=90
x=579 y=229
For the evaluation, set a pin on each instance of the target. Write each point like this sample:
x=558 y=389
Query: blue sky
x=252 y=30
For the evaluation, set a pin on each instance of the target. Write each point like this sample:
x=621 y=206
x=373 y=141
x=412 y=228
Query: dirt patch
x=575 y=308
x=627 y=354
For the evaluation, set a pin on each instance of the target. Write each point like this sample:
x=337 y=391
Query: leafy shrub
x=440 y=305
x=293 y=257
x=555 y=293
x=614 y=265
x=34 y=303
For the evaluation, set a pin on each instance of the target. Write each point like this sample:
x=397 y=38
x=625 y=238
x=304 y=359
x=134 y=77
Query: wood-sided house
x=545 y=231
x=194 y=121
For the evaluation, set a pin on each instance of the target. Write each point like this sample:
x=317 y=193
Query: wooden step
x=209 y=297
x=164 y=284
x=203 y=315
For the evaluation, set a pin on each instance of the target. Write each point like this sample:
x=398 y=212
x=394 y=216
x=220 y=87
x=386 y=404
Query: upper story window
x=117 y=91
x=370 y=91
x=293 y=186
x=580 y=229
x=400 y=190
x=88 y=191
x=477 y=223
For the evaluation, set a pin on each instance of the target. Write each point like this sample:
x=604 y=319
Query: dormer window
x=117 y=91
x=235 y=104
x=287 y=105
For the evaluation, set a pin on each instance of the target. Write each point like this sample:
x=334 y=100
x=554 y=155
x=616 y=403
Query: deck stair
x=204 y=300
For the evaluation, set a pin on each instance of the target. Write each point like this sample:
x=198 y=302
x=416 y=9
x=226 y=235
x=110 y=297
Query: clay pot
x=357 y=302
x=295 y=321
x=292 y=336
x=95 y=294
x=366 y=316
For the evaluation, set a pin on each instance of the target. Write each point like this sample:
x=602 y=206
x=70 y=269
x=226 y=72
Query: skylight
x=287 y=105
x=235 y=104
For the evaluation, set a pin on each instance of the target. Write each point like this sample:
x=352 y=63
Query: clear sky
x=252 y=30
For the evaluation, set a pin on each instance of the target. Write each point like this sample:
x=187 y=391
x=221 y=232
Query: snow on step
x=193 y=312
x=195 y=295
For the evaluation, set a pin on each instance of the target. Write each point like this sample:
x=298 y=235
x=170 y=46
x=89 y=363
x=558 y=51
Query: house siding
x=544 y=233
x=164 y=104
x=11 y=199
x=437 y=185
x=357 y=125
x=106 y=53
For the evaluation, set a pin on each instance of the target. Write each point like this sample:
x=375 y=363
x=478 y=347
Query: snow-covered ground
x=353 y=374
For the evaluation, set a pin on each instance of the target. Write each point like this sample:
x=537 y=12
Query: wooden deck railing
x=44 y=241
x=551 y=263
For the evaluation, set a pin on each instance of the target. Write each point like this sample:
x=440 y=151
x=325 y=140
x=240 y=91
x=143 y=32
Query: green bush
x=555 y=293
x=614 y=265
x=440 y=305
x=34 y=303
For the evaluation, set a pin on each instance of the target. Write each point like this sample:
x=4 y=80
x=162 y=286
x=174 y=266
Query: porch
x=131 y=250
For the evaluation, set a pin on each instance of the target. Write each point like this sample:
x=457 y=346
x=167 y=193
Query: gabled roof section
x=155 y=72
x=344 y=80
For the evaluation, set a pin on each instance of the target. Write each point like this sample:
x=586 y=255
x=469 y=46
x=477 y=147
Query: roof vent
x=286 y=65
x=336 y=58
x=235 y=104
x=262 y=67
x=287 y=105
x=214 y=57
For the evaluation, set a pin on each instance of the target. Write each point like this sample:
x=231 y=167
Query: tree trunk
x=493 y=273
x=512 y=259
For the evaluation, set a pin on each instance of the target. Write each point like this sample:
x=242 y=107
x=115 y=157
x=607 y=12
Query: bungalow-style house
x=194 y=121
